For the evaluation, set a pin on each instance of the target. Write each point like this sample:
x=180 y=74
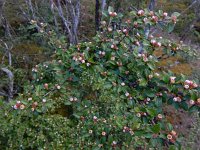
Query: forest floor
x=186 y=124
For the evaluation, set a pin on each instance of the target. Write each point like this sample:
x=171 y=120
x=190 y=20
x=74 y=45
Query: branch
x=8 y=52
x=188 y=8
x=30 y=6
x=152 y=5
x=65 y=21
x=52 y=4
x=103 y=5
x=3 y=94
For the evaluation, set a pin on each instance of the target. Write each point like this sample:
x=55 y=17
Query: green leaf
x=76 y=116
x=169 y=126
x=149 y=93
x=156 y=128
x=148 y=135
x=170 y=27
x=172 y=147
x=158 y=102
x=184 y=105
x=107 y=85
x=151 y=66
x=120 y=15
x=176 y=14
x=110 y=9
x=139 y=133
x=193 y=108
x=156 y=142
x=1 y=103
x=176 y=105
x=143 y=82
x=166 y=79
x=67 y=103
x=151 y=112
x=24 y=102
x=136 y=125
x=104 y=14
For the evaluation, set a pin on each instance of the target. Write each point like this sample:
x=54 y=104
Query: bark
x=103 y=5
x=7 y=51
x=97 y=15
x=74 y=8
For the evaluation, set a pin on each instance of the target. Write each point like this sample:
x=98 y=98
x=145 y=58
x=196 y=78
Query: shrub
x=108 y=89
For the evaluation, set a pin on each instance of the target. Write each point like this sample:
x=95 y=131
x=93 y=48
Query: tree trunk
x=97 y=16
x=9 y=92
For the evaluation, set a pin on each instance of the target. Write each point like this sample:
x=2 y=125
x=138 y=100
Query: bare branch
x=73 y=13
x=3 y=94
x=52 y=5
x=5 y=23
x=103 y=5
x=8 y=52
x=30 y=6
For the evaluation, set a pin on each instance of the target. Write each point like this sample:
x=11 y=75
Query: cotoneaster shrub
x=103 y=94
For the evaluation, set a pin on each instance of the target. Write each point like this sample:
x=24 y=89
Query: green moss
x=28 y=48
x=184 y=68
x=27 y=55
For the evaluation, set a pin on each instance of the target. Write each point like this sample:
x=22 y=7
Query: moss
x=174 y=63
x=63 y=110
x=27 y=48
x=28 y=54
x=169 y=61
x=184 y=68
x=181 y=68
x=158 y=52
x=170 y=6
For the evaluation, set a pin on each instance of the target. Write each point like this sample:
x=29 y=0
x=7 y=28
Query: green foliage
x=111 y=91
x=28 y=130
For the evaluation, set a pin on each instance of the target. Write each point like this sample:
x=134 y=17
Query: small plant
x=109 y=88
